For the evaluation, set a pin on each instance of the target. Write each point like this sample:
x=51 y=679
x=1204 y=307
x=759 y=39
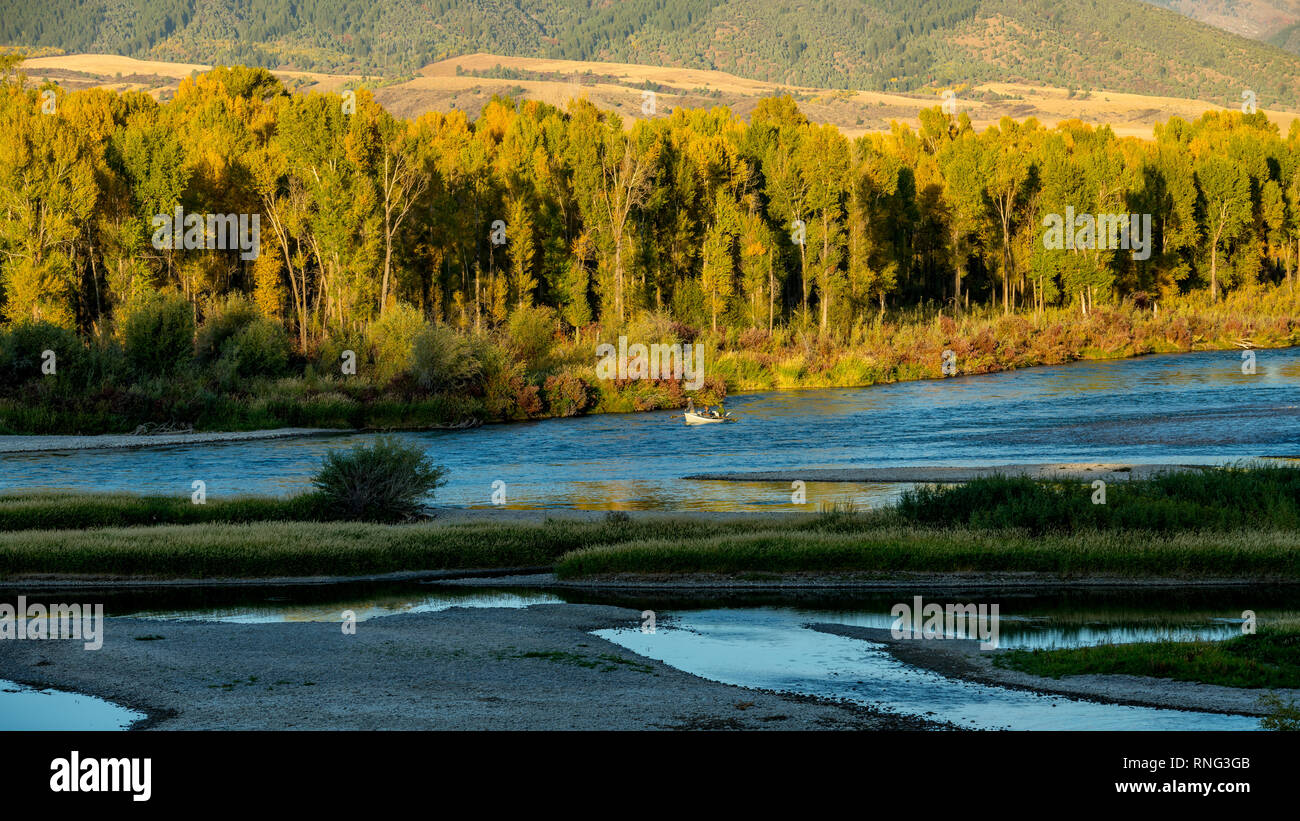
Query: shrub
x=567 y=394
x=221 y=326
x=383 y=481
x=158 y=334
x=22 y=351
x=507 y=391
x=531 y=335
x=328 y=358
x=260 y=348
x=1283 y=715
x=391 y=338
x=442 y=359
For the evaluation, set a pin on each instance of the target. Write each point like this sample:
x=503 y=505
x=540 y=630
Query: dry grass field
x=462 y=83
x=158 y=78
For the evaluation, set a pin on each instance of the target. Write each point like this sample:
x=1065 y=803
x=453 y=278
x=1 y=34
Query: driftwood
x=464 y=424
x=1244 y=343
x=161 y=428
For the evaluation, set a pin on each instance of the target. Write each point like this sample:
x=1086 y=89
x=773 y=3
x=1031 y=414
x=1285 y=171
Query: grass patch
x=604 y=662
x=278 y=548
x=79 y=511
x=1224 y=523
x=1267 y=659
x=892 y=549
x=1259 y=496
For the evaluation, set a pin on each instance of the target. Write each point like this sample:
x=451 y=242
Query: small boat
x=693 y=418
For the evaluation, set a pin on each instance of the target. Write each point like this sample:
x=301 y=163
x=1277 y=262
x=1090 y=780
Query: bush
x=158 y=334
x=390 y=339
x=328 y=358
x=1283 y=715
x=531 y=336
x=242 y=341
x=22 y=351
x=221 y=326
x=386 y=481
x=442 y=359
x=567 y=394
x=260 y=348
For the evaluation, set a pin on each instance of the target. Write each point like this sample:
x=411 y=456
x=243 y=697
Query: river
x=1187 y=408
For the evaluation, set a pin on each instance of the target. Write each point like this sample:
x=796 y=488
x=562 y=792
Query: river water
x=762 y=640
x=1188 y=408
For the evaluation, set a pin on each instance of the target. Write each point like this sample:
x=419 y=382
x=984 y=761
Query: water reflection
x=286 y=610
x=775 y=650
x=1046 y=633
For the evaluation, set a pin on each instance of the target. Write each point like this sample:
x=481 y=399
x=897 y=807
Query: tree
x=1225 y=198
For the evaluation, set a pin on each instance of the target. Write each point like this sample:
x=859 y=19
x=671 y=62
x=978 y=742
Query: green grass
x=76 y=511
x=1227 y=523
x=577 y=549
x=1267 y=659
x=276 y=548
x=892 y=549
x=1258 y=496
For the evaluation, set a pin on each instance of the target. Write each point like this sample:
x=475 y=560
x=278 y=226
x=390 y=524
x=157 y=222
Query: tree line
x=697 y=215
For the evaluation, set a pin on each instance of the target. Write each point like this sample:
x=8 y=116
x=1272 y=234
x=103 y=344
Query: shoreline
x=55 y=443
x=31 y=443
x=542 y=578
x=534 y=668
x=963 y=659
x=944 y=474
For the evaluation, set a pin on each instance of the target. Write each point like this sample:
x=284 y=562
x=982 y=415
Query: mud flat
x=457 y=669
x=113 y=441
x=963 y=658
x=1082 y=471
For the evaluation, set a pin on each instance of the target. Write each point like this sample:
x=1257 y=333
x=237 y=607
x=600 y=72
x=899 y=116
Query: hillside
x=1272 y=21
x=883 y=45
x=469 y=82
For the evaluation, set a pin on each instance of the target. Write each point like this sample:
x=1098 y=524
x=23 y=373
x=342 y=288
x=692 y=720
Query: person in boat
x=690 y=405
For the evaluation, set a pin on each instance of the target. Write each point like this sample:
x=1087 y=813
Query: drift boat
x=693 y=418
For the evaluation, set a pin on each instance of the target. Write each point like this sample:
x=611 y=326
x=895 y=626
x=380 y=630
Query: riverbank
x=938 y=474
x=536 y=668
x=547 y=374
x=678 y=548
x=1220 y=525
x=115 y=441
x=963 y=659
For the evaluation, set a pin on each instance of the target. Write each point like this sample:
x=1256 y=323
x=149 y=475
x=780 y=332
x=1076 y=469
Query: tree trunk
x=771 y=296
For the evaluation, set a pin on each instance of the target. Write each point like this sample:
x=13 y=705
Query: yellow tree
x=48 y=193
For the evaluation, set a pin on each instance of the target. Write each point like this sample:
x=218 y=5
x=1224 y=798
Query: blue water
x=1189 y=408
x=774 y=649
x=28 y=708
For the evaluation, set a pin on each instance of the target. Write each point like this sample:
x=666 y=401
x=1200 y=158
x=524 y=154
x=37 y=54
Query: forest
x=894 y=45
x=470 y=268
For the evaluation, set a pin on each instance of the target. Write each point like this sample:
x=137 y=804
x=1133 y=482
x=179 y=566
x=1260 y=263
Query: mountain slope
x=1122 y=45
x=1257 y=19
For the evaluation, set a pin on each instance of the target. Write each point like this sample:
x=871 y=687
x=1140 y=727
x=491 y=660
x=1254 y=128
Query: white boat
x=698 y=419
